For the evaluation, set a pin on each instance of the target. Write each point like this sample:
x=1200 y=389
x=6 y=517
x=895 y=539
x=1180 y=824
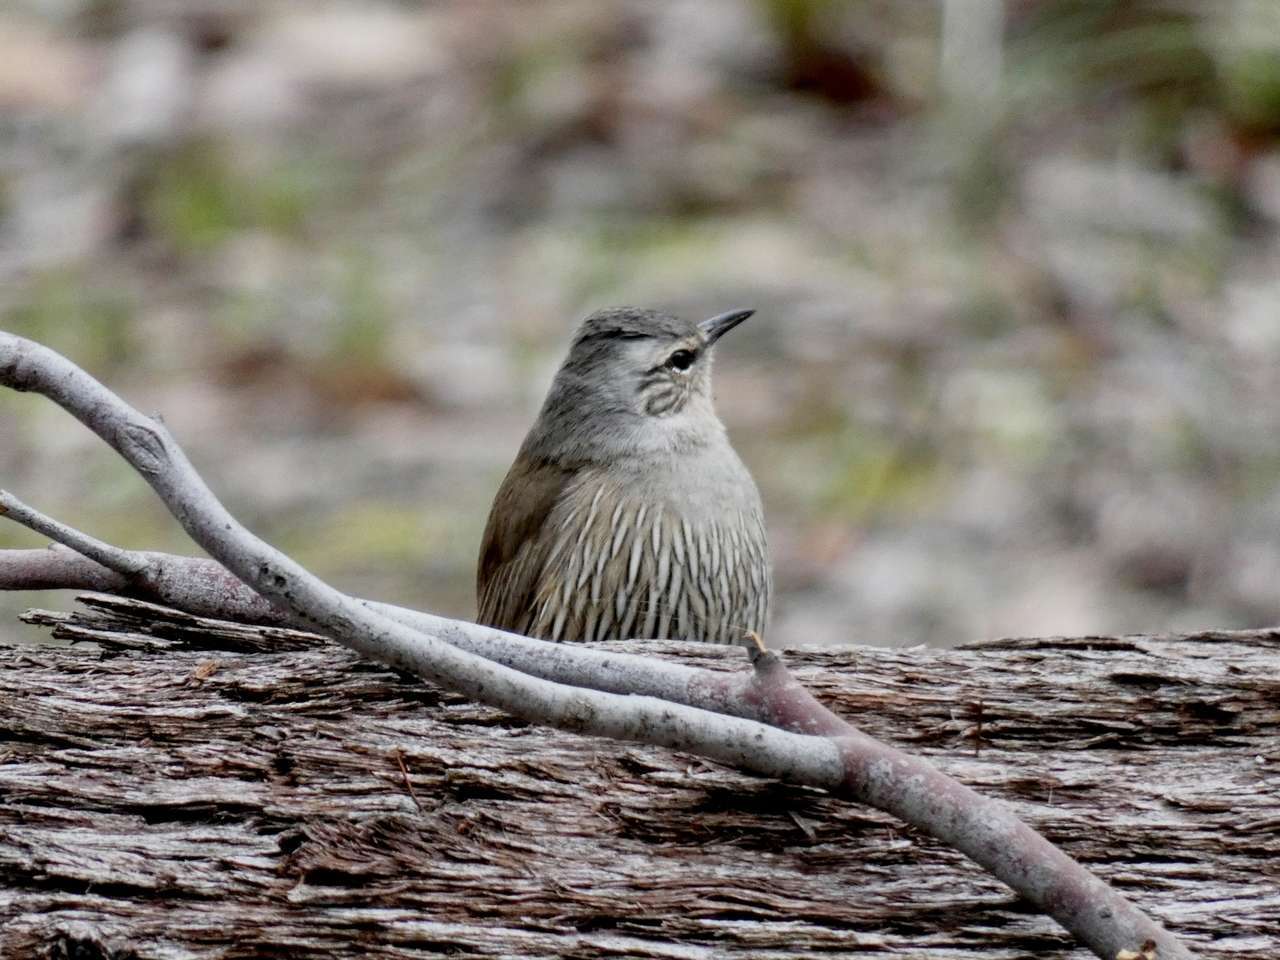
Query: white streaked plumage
x=626 y=512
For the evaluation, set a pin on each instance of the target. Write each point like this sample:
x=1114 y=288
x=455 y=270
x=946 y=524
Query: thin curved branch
x=128 y=564
x=829 y=754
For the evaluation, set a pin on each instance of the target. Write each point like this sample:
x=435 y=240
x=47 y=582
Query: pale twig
x=124 y=562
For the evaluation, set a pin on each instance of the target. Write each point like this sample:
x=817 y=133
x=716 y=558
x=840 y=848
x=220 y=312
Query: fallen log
x=182 y=787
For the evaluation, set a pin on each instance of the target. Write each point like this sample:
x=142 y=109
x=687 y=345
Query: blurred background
x=1016 y=366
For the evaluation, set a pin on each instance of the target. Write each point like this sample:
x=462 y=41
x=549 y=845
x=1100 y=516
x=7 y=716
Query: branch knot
x=145 y=446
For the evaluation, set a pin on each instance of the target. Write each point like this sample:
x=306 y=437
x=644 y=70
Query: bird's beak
x=722 y=323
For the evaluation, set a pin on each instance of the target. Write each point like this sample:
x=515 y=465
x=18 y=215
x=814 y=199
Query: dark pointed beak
x=719 y=325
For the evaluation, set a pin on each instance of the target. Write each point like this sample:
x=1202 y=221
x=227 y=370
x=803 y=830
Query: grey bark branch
x=197 y=585
x=57 y=568
x=852 y=766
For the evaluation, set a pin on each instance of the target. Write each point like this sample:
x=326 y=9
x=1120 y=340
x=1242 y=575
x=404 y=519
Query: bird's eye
x=681 y=360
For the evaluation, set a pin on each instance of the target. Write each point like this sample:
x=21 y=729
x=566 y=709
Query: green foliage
x=1095 y=58
x=67 y=311
x=376 y=535
x=874 y=475
x=193 y=203
x=363 y=336
x=1252 y=88
x=196 y=199
x=798 y=18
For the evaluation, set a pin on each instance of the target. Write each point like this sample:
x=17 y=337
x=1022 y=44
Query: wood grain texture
x=197 y=790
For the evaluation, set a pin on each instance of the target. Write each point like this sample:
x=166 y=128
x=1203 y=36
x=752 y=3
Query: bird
x=627 y=513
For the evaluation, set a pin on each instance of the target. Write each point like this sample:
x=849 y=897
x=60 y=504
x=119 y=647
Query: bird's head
x=653 y=363
x=641 y=376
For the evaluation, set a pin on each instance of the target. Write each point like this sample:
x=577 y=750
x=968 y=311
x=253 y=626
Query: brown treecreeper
x=626 y=512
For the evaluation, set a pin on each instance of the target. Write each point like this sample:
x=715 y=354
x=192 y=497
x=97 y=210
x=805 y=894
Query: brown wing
x=512 y=552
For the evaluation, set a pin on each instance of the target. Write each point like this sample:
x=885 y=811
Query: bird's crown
x=624 y=323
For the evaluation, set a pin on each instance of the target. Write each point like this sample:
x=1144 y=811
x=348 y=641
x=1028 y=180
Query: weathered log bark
x=189 y=790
